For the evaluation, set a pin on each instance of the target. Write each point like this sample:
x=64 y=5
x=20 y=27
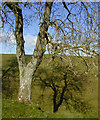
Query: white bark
x=26 y=76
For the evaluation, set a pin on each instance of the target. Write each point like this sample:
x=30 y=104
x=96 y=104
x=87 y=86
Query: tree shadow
x=10 y=79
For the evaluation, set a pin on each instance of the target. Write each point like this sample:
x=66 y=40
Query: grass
x=18 y=110
x=11 y=108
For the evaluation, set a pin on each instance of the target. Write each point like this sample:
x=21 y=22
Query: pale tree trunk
x=27 y=71
x=25 y=83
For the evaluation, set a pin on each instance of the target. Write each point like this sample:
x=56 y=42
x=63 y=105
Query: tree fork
x=27 y=72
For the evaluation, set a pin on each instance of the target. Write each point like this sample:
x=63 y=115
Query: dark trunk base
x=55 y=109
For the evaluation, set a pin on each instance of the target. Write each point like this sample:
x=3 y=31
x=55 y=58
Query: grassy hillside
x=43 y=99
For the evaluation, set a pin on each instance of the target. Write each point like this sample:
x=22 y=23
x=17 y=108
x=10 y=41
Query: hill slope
x=41 y=98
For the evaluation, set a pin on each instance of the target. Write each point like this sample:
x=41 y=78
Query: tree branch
x=17 y=10
x=68 y=13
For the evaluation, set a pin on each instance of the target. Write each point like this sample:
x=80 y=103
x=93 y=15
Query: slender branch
x=5 y=72
x=3 y=21
x=69 y=13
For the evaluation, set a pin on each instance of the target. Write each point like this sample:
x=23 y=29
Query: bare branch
x=68 y=14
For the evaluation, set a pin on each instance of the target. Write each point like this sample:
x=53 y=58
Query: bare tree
x=68 y=31
x=27 y=71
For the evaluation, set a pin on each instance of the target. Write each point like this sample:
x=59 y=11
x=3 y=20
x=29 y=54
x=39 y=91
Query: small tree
x=66 y=86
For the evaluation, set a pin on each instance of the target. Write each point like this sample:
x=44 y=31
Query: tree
x=67 y=31
x=66 y=86
x=27 y=72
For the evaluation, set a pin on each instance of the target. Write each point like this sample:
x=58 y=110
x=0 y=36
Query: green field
x=41 y=98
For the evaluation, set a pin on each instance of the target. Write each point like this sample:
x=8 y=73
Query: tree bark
x=27 y=71
x=55 y=102
x=55 y=109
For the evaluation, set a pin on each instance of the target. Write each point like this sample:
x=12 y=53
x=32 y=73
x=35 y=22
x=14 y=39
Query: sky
x=31 y=30
x=30 y=33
